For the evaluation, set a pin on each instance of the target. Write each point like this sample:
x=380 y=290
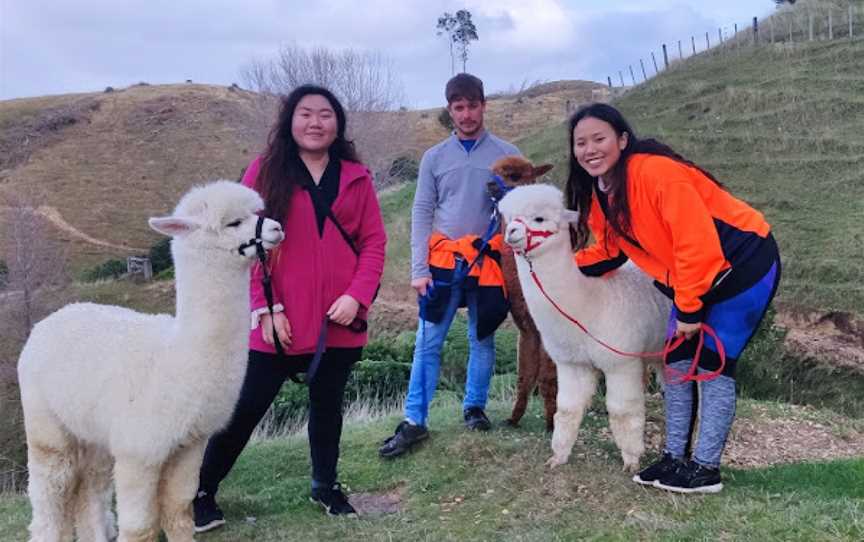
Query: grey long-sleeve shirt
x=451 y=195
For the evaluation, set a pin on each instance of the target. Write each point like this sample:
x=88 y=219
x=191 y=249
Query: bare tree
x=35 y=267
x=365 y=82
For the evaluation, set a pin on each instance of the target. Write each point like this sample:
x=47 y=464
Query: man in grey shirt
x=451 y=199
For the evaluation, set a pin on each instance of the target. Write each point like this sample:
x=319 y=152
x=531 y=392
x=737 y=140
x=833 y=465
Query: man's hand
x=343 y=310
x=421 y=285
x=283 y=329
x=687 y=330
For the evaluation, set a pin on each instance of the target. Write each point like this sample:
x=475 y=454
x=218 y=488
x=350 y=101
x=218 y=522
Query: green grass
x=474 y=486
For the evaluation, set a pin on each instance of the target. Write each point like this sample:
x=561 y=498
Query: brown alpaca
x=535 y=366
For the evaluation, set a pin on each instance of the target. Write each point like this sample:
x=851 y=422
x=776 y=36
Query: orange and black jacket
x=701 y=244
x=486 y=276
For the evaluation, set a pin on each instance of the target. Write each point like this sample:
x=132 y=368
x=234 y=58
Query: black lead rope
x=267 y=285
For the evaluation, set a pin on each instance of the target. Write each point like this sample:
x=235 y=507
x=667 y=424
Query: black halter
x=267 y=285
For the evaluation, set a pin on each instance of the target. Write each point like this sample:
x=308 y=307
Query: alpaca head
x=220 y=217
x=535 y=218
x=514 y=171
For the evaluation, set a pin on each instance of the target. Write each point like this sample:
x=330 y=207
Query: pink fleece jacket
x=309 y=272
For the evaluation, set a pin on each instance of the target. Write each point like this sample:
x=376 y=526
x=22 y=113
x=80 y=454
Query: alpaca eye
x=234 y=224
x=539 y=219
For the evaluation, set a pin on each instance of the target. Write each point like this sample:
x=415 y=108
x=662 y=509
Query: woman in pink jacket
x=323 y=280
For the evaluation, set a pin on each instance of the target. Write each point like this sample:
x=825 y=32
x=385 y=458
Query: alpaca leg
x=548 y=387
x=177 y=488
x=625 y=402
x=136 y=483
x=527 y=374
x=53 y=470
x=576 y=386
x=94 y=519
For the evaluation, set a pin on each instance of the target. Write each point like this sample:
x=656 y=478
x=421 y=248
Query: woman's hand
x=421 y=285
x=687 y=330
x=343 y=310
x=283 y=328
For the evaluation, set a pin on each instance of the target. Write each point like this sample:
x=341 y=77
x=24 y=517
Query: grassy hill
x=99 y=164
x=781 y=127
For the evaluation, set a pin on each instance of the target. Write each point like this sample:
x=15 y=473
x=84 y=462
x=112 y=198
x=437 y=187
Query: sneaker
x=208 y=515
x=692 y=478
x=666 y=466
x=333 y=500
x=476 y=420
x=406 y=436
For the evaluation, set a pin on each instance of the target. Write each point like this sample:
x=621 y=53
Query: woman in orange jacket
x=711 y=253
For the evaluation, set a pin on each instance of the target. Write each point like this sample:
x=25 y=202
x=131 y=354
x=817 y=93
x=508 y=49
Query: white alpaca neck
x=212 y=296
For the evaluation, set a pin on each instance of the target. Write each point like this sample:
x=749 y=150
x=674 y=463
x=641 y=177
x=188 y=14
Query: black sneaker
x=692 y=478
x=406 y=436
x=208 y=515
x=476 y=420
x=333 y=500
x=666 y=466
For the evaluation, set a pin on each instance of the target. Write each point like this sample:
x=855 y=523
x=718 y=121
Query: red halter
x=531 y=234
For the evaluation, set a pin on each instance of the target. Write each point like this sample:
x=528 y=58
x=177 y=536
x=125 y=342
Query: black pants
x=265 y=374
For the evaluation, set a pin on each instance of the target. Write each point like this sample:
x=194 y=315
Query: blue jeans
x=426 y=365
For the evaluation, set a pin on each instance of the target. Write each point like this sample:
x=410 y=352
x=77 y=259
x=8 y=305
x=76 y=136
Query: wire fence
x=807 y=22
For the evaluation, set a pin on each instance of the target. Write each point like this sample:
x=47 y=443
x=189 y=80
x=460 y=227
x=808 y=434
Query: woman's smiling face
x=596 y=146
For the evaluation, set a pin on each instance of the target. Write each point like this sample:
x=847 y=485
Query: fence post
x=850 y=20
x=755 y=31
x=608 y=78
x=811 y=24
x=830 y=24
x=644 y=75
x=771 y=26
x=633 y=77
x=707 y=42
x=654 y=60
x=693 y=42
x=665 y=58
x=720 y=35
x=680 y=52
x=790 y=32
x=621 y=76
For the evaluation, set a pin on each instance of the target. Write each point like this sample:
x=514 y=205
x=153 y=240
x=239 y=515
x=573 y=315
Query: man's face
x=467 y=117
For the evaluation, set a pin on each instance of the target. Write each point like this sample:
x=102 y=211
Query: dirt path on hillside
x=52 y=215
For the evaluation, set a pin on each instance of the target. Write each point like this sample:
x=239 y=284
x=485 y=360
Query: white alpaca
x=622 y=308
x=104 y=386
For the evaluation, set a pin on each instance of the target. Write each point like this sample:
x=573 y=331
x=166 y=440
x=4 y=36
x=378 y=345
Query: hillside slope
x=781 y=127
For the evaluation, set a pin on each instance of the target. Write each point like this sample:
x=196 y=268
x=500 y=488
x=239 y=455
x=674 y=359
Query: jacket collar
x=352 y=171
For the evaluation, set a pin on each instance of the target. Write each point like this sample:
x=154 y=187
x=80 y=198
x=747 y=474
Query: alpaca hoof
x=555 y=461
x=631 y=468
x=550 y=427
x=511 y=423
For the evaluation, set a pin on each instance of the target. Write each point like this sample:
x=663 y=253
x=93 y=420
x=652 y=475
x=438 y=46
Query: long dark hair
x=281 y=166
x=580 y=184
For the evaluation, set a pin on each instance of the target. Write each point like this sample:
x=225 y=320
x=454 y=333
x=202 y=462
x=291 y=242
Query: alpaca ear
x=542 y=170
x=569 y=216
x=173 y=226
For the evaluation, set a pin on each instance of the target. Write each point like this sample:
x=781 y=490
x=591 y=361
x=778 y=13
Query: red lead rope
x=669 y=346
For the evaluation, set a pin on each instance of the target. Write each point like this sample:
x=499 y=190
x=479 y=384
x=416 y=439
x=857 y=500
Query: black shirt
x=325 y=191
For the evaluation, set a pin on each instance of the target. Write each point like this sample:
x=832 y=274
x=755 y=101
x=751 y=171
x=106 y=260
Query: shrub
x=444 y=119
x=160 y=256
x=404 y=168
x=110 y=269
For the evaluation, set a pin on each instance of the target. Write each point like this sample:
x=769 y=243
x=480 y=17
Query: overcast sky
x=60 y=46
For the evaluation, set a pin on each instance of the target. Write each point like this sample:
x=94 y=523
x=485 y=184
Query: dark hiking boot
x=692 y=478
x=208 y=515
x=666 y=466
x=334 y=502
x=406 y=436
x=476 y=420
